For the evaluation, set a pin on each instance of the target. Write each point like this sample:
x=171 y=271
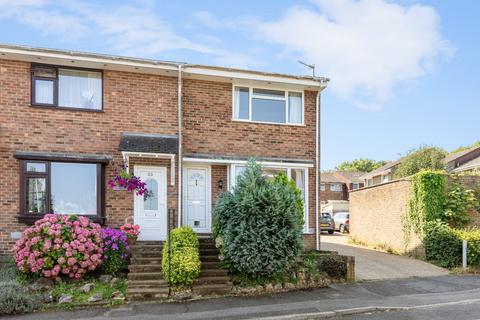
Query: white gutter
x=180 y=141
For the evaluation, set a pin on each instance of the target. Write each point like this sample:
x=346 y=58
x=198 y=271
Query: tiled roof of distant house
x=385 y=169
x=454 y=156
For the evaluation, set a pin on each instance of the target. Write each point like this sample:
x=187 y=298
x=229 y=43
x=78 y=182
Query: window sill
x=31 y=218
x=271 y=123
x=40 y=106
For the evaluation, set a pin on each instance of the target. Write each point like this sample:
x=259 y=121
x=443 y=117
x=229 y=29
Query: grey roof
x=454 y=156
x=328 y=177
x=148 y=143
x=382 y=170
x=351 y=176
x=154 y=62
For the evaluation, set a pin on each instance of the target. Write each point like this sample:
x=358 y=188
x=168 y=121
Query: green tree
x=423 y=158
x=362 y=165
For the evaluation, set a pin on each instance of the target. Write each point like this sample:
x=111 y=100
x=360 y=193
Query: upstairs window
x=267 y=106
x=66 y=88
x=336 y=187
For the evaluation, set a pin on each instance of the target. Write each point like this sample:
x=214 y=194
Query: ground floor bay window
x=299 y=175
x=60 y=187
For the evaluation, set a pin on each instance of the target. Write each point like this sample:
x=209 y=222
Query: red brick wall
x=333 y=195
x=209 y=127
x=136 y=103
x=132 y=102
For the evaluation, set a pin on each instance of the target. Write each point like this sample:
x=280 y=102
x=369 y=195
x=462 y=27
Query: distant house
x=463 y=161
x=352 y=180
x=381 y=175
x=335 y=188
x=332 y=188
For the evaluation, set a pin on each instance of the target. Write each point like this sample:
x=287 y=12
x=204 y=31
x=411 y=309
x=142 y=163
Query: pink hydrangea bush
x=60 y=245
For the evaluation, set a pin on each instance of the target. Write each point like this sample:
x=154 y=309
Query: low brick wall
x=376 y=215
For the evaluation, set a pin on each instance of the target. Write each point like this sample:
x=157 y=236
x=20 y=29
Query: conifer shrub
x=259 y=224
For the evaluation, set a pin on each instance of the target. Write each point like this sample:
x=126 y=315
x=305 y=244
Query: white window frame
x=285 y=98
x=355 y=186
x=335 y=184
x=232 y=180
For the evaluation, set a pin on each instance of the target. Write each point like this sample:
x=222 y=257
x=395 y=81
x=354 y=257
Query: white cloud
x=367 y=47
x=125 y=29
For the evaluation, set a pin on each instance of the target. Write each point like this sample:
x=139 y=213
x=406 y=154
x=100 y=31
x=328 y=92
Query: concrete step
x=208 y=252
x=213 y=280
x=207 y=265
x=212 y=289
x=144 y=248
x=213 y=273
x=136 y=294
x=145 y=276
x=146 y=260
x=209 y=258
x=147 y=284
x=137 y=268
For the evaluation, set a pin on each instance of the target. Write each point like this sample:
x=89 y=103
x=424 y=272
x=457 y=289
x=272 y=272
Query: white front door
x=150 y=210
x=196 y=208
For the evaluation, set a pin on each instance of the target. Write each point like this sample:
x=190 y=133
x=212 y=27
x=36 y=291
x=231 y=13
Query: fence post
x=464 y=254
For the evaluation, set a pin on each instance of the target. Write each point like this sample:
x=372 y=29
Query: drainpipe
x=317 y=171
x=180 y=142
x=322 y=86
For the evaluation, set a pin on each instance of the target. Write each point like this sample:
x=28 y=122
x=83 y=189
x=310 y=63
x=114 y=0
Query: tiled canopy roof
x=149 y=143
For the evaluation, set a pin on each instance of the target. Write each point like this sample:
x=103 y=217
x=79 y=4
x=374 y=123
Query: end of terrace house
x=68 y=118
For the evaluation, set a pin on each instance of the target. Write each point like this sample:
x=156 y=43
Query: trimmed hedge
x=443 y=245
x=184 y=257
x=333 y=265
x=259 y=225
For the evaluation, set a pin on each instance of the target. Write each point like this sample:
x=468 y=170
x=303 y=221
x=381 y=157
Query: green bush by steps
x=185 y=262
x=259 y=224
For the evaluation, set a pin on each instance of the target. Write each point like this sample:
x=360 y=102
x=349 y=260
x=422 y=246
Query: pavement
x=430 y=297
x=376 y=265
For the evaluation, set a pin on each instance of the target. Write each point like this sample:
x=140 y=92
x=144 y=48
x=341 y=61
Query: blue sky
x=403 y=73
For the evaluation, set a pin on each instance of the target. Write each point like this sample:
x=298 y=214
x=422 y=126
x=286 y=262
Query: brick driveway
x=374 y=265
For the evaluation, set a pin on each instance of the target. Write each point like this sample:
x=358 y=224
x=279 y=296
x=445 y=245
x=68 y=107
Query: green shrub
x=443 y=247
x=473 y=245
x=426 y=199
x=8 y=273
x=333 y=265
x=423 y=158
x=260 y=224
x=458 y=202
x=15 y=299
x=184 y=257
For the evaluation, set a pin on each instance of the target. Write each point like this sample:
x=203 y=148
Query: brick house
x=186 y=130
x=338 y=184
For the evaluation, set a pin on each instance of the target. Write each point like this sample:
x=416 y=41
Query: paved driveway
x=374 y=265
